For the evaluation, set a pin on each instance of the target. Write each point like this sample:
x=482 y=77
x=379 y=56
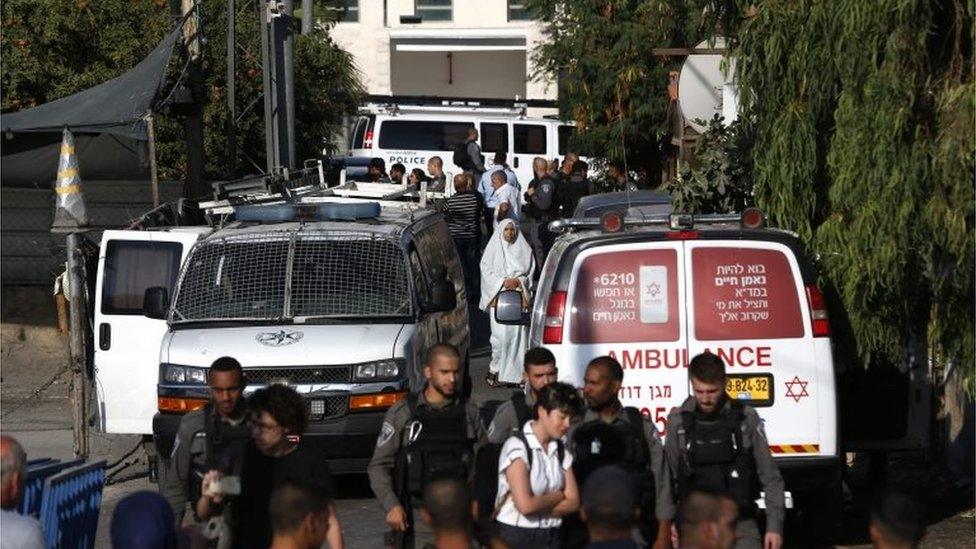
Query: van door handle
x=104 y=336
x=516 y=162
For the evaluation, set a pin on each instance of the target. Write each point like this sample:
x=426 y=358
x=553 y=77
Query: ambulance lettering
x=651 y=359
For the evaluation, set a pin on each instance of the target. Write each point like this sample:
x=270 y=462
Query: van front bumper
x=347 y=442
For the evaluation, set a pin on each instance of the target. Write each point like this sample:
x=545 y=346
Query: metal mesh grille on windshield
x=331 y=275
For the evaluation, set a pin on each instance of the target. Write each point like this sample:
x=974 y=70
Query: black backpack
x=486 y=462
x=461 y=157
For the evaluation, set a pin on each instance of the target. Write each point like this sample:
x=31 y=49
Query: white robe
x=503 y=260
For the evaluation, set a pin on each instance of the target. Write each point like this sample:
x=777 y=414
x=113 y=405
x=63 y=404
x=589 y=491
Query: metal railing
x=70 y=506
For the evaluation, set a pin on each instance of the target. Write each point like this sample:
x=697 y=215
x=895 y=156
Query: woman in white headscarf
x=507 y=264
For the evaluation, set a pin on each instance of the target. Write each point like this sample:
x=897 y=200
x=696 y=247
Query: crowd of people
x=556 y=466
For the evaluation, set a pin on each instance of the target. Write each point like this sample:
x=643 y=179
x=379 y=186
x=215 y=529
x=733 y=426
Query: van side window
x=430 y=242
x=131 y=266
x=745 y=293
x=529 y=139
x=627 y=296
x=421 y=135
x=364 y=126
x=494 y=137
x=419 y=277
x=565 y=135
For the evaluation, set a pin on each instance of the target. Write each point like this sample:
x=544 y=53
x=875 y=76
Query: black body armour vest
x=435 y=445
x=715 y=460
x=223 y=450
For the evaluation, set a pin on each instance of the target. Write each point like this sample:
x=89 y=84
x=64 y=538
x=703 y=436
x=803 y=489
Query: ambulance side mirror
x=508 y=308
x=155 y=302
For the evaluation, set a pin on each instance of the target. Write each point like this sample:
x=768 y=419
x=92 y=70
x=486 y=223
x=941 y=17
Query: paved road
x=42 y=423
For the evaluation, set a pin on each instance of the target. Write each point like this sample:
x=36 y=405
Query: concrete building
x=443 y=48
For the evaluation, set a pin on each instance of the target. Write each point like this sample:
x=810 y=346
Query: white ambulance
x=411 y=134
x=653 y=291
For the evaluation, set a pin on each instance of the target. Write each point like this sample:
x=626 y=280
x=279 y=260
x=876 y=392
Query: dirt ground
x=35 y=407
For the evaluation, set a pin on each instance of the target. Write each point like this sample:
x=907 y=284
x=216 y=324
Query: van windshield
x=294 y=275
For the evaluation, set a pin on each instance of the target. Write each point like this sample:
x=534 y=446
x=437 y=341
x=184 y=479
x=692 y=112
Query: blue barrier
x=37 y=473
x=69 y=510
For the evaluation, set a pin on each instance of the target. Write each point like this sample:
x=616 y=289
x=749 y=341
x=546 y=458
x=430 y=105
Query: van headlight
x=380 y=370
x=190 y=375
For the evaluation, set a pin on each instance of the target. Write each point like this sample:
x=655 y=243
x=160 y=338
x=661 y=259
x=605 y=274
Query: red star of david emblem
x=653 y=289
x=796 y=389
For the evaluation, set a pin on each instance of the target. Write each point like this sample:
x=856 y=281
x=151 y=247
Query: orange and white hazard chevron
x=795 y=448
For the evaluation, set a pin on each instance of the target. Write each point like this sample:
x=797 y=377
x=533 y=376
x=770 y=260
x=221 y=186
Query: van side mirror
x=443 y=295
x=155 y=302
x=508 y=308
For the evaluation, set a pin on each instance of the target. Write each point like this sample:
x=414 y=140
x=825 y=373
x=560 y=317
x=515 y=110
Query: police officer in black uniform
x=212 y=437
x=428 y=435
x=611 y=434
x=717 y=445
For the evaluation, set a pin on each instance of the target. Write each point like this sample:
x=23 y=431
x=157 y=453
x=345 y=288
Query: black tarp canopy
x=108 y=121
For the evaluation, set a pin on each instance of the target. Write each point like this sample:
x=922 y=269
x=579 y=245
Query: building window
x=517 y=11
x=433 y=10
x=343 y=11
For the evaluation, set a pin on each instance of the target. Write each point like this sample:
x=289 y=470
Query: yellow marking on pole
x=70 y=172
x=67 y=149
x=68 y=189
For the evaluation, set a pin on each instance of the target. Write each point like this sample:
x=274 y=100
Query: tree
x=52 y=49
x=863 y=116
x=610 y=83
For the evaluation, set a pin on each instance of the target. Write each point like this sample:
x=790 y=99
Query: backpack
x=486 y=462
x=461 y=157
x=596 y=444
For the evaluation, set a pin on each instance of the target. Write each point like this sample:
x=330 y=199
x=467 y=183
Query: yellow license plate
x=755 y=390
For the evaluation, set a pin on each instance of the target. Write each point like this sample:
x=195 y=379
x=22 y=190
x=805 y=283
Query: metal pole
x=231 y=92
x=79 y=381
x=153 y=172
x=269 y=132
x=308 y=16
x=287 y=24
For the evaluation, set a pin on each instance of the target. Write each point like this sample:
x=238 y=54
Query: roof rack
x=395 y=104
x=302 y=187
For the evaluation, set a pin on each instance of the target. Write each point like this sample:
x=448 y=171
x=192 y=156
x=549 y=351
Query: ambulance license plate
x=754 y=390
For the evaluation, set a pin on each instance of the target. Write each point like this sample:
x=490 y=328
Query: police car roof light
x=612 y=222
x=325 y=211
x=753 y=218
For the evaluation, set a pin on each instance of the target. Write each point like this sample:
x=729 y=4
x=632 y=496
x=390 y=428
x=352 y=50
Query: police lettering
x=421 y=160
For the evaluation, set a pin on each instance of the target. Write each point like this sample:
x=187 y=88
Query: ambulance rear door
x=127 y=342
x=626 y=300
x=748 y=303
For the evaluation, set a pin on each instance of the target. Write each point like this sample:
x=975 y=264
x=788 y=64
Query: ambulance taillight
x=818 y=311
x=552 y=332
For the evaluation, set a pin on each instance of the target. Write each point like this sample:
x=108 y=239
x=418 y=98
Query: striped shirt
x=463 y=215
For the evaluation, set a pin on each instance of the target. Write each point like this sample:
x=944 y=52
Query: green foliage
x=721 y=181
x=53 y=48
x=611 y=85
x=863 y=115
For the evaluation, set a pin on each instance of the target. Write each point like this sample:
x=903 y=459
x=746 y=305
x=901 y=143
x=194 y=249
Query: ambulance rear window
x=626 y=296
x=744 y=293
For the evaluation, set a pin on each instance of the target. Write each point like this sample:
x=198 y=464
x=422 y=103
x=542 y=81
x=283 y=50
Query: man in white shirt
x=509 y=205
x=19 y=531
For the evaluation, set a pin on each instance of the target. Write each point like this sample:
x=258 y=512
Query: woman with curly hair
x=278 y=418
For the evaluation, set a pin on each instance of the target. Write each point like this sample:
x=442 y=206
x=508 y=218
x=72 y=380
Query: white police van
x=337 y=297
x=411 y=134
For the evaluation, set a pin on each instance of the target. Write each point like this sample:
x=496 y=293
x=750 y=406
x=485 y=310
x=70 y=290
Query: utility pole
x=277 y=51
x=308 y=16
x=194 y=186
x=76 y=345
x=231 y=92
